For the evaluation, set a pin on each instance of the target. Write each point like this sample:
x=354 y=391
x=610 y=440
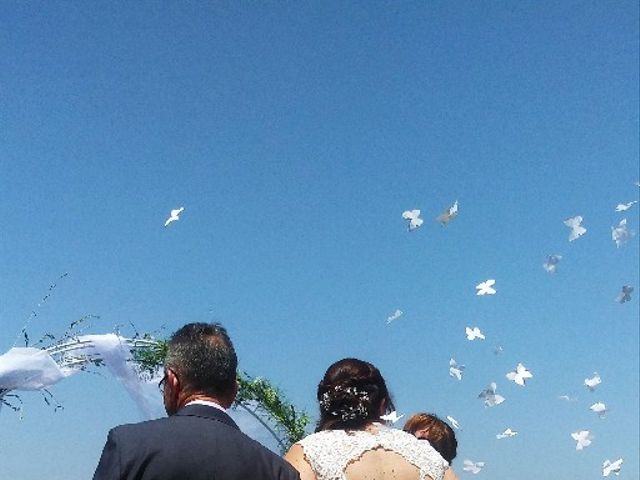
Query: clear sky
x=295 y=134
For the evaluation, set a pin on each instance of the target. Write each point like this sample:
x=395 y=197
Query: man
x=198 y=440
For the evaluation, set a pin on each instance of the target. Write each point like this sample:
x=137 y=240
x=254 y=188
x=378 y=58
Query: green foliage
x=151 y=357
x=290 y=422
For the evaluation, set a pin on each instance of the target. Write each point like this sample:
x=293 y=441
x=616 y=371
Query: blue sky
x=295 y=135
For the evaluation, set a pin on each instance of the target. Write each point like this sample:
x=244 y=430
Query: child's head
x=440 y=435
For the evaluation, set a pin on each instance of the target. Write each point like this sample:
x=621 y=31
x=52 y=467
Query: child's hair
x=440 y=435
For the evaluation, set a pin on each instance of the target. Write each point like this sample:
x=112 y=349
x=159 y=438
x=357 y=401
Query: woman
x=350 y=443
x=427 y=426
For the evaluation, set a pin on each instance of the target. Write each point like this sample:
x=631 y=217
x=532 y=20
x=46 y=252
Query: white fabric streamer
x=116 y=355
x=27 y=368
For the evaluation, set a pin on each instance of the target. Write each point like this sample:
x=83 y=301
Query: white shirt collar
x=208 y=403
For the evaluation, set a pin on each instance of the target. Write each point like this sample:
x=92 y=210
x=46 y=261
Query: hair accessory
x=357 y=409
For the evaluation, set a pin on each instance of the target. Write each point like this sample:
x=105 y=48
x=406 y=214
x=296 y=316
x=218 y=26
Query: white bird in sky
x=609 y=467
x=394 y=316
x=623 y=207
x=577 y=230
x=486 y=288
x=551 y=263
x=449 y=214
x=392 y=417
x=454 y=423
x=621 y=234
x=593 y=382
x=174 y=216
x=455 y=370
x=497 y=350
x=625 y=294
x=414 y=219
x=520 y=375
x=490 y=397
x=599 y=408
x=472 y=467
x=583 y=439
x=506 y=434
x=473 y=333
x=567 y=398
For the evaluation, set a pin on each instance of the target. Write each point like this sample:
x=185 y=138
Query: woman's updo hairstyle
x=351 y=395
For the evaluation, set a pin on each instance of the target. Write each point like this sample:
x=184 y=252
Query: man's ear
x=231 y=397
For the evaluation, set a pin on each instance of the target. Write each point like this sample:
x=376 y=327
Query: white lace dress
x=330 y=452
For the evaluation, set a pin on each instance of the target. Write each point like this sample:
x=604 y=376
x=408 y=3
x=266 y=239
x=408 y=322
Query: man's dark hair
x=203 y=358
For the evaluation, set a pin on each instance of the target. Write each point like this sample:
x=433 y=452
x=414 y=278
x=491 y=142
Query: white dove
x=625 y=294
x=520 y=375
x=623 y=207
x=599 y=408
x=174 y=216
x=609 y=467
x=454 y=423
x=449 y=214
x=621 y=234
x=455 y=370
x=486 y=288
x=414 y=219
x=593 y=382
x=583 y=439
x=551 y=263
x=392 y=417
x=473 y=333
x=394 y=316
x=506 y=434
x=491 y=398
x=577 y=230
x=473 y=467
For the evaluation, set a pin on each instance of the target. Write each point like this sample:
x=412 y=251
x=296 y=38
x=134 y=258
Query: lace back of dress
x=330 y=452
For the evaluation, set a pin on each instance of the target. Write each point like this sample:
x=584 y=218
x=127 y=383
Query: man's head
x=201 y=364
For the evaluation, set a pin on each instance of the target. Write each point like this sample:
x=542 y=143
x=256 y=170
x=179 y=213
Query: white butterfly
x=394 y=316
x=506 y=434
x=583 y=437
x=520 y=375
x=414 y=219
x=551 y=263
x=599 y=408
x=621 y=234
x=486 y=288
x=174 y=216
x=473 y=467
x=623 y=207
x=449 y=214
x=391 y=417
x=609 y=467
x=455 y=370
x=473 y=333
x=593 y=382
x=454 y=423
x=625 y=294
x=577 y=230
x=491 y=398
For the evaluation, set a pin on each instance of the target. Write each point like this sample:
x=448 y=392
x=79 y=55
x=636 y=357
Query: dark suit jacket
x=197 y=443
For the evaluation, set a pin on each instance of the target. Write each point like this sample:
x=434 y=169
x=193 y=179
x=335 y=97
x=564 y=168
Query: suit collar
x=205 y=411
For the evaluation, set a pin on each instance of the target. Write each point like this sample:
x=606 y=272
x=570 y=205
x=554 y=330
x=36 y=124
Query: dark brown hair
x=351 y=394
x=438 y=432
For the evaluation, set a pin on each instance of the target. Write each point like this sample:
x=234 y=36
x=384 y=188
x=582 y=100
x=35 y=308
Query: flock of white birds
x=620 y=234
